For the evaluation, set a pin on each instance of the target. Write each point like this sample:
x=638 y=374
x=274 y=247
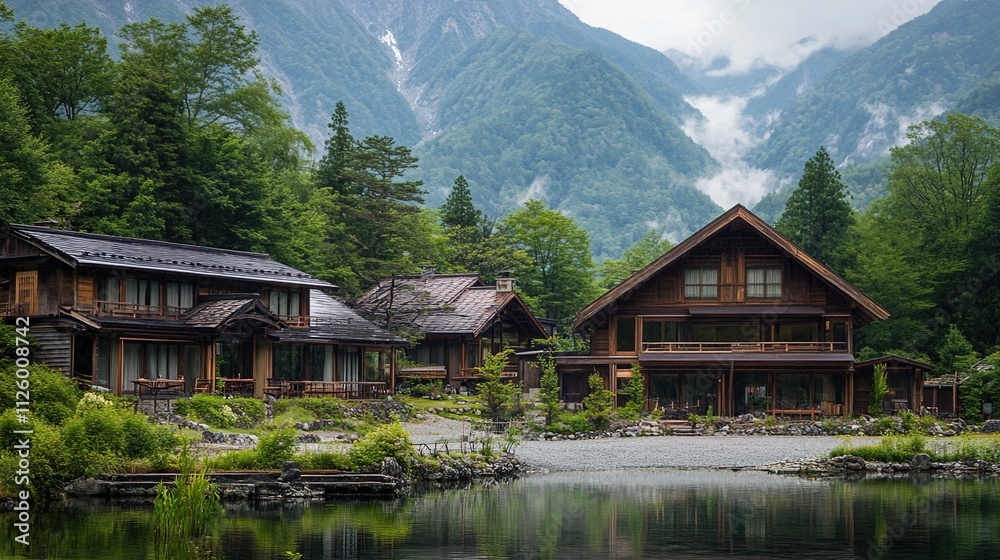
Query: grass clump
x=272 y=450
x=901 y=449
x=190 y=508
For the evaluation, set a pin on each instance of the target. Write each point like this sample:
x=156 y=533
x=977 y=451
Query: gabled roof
x=866 y=307
x=331 y=321
x=216 y=315
x=445 y=304
x=91 y=249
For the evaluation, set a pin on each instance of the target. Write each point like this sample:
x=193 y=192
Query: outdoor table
x=155 y=388
x=237 y=387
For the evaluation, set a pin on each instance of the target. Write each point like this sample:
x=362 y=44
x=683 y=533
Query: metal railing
x=676 y=347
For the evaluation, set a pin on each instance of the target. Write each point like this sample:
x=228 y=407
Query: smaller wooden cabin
x=460 y=319
x=906 y=384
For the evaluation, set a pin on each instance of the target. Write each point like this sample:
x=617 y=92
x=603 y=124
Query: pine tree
x=458 y=211
x=818 y=215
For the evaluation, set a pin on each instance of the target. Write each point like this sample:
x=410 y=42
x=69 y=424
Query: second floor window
x=285 y=304
x=701 y=283
x=764 y=282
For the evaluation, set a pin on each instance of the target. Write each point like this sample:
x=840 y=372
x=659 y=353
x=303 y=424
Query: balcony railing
x=509 y=371
x=735 y=347
x=295 y=321
x=11 y=308
x=138 y=311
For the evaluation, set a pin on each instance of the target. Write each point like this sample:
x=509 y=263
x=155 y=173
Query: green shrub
x=571 y=423
x=50 y=460
x=908 y=421
x=324 y=461
x=53 y=395
x=249 y=412
x=99 y=439
x=275 y=448
x=324 y=409
x=597 y=404
x=388 y=440
x=210 y=409
x=428 y=389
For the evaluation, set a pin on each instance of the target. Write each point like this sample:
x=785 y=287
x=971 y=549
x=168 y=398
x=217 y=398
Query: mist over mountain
x=518 y=95
x=525 y=100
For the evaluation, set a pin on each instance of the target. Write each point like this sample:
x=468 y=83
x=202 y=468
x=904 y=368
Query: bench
x=810 y=412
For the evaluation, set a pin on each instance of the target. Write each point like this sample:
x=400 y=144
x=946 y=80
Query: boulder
x=921 y=462
x=992 y=426
x=290 y=472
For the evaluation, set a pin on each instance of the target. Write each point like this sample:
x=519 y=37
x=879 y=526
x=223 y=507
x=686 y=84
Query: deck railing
x=509 y=370
x=137 y=310
x=734 y=347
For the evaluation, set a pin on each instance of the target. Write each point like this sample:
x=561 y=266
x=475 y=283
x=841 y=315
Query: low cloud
x=724 y=134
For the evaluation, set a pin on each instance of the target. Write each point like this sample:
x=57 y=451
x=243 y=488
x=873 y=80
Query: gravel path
x=674 y=452
x=646 y=452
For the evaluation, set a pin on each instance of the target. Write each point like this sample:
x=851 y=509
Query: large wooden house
x=111 y=310
x=735 y=317
x=457 y=318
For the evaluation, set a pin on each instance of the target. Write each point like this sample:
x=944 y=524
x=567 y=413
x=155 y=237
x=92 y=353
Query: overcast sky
x=749 y=31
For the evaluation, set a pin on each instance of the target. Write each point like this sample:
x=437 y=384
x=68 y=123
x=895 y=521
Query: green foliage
x=101 y=438
x=983 y=385
x=635 y=390
x=597 y=404
x=190 y=508
x=956 y=353
x=879 y=390
x=548 y=396
x=458 y=211
x=497 y=393
x=54 y=396
x=818 y=216
x=324 y=409
x=210 y=409
x=428 y=389
x=892 y=449
x=50 y=459
x=275 y=448
x=559 y=283
x=324 y=461
x=389 y=440
x=648 y=248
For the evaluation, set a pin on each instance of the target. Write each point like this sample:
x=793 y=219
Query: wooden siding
x=600 y=342
x=54 y=347
x=86 y=292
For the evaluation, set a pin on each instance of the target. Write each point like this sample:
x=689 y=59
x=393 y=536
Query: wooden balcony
x=137 y=311
x=12 y=309
x=509 y=372
x=741 y=347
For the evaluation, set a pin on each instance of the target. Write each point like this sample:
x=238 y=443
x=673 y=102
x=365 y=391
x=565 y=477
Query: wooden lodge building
x=111 y=310
x=458 y=320
x=735 y=317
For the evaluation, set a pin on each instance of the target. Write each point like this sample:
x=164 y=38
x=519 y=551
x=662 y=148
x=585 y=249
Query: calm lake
x=618 y=514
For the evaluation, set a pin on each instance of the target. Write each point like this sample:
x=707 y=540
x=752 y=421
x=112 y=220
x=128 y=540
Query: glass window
x=658 y=330
x=798 y=332
x=764 y=282
x=284 y=303
x=625 y=334
x=180 y=295
x=109 y=290
x=701 y=283
x=286 y=361
x=348 y=363
x=726 y=332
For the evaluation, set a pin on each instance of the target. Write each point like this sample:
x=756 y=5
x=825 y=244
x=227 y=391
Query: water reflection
x=622 y=514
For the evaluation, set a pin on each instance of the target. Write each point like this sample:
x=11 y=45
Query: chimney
x=427 y=272
x=505 y=281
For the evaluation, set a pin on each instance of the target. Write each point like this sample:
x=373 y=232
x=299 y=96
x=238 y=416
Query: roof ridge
x=124 y=239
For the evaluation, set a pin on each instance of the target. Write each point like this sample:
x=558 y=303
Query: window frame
x=768 y=285
x=702 y=290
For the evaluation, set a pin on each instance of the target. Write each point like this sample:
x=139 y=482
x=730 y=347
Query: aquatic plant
x=190 y=508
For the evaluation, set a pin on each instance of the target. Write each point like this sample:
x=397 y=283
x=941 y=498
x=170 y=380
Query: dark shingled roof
x=331 y=321
x=92 y=249
x=443 y=303
x=210 y=316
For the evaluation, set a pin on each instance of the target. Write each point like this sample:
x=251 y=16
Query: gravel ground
x=646 y=452
x=674 y=452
